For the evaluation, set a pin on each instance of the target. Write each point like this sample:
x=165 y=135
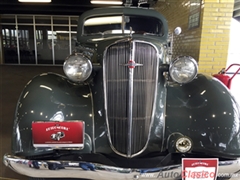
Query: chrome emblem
x=131 y=64
x=57 y=136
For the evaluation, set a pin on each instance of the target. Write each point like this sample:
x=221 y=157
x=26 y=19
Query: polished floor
x=12 y=81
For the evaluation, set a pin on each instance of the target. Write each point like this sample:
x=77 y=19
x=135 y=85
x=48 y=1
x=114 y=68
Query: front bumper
x=86 y=170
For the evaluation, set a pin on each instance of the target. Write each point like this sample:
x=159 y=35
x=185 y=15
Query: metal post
x=35 y=39
x=18 y=49
x=53 y=52
x=70 y=39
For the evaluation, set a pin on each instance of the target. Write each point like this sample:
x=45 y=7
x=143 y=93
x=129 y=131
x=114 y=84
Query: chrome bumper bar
x=78 y=169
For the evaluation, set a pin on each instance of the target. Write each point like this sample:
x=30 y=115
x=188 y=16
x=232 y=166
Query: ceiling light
x=106 y=2
x=36 y=1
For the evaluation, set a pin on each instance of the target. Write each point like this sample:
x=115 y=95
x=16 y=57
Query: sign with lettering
x=199 y=168
x=58 y=134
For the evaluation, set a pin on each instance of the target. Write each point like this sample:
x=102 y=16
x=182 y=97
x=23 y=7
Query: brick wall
x=214 y=44
x=208 y=43
x=177 y=14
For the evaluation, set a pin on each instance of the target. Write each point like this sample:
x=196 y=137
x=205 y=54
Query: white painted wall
x=234 y=57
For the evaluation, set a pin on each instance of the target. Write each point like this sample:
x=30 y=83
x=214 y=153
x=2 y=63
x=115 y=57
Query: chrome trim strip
x=88 y=170
x=130 y=109
x=93 y=120
x=130 y=102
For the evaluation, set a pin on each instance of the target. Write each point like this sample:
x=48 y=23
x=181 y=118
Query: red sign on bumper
x=58 y=134
x=199 y=168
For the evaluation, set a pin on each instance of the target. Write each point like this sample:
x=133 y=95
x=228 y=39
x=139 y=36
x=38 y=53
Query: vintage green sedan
x=125 y=109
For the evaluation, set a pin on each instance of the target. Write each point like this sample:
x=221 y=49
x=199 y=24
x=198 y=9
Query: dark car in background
x=125 y=109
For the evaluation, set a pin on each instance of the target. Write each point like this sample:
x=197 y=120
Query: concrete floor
x=12 y=81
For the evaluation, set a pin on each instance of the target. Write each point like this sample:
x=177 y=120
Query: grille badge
x=131 y=64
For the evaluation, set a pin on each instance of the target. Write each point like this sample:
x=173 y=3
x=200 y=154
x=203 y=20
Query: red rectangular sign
x=199 y=168
x=58 y=134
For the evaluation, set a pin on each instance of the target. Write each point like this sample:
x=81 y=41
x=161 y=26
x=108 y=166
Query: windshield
x=123 y=25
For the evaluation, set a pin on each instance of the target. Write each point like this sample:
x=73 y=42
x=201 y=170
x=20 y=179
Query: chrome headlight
x=77 y=67
x=183 y=69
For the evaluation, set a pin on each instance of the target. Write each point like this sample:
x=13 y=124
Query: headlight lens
x=183 y=69
x=184 y=144
x=77 y=67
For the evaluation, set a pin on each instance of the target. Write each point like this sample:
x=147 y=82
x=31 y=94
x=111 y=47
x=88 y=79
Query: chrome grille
x=116 y=82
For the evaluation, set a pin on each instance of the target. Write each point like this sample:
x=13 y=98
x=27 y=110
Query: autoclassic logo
x=192 y=169
x=199 y=168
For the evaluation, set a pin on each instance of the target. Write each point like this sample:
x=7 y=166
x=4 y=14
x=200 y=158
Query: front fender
x=49 y=97
x=205 y=111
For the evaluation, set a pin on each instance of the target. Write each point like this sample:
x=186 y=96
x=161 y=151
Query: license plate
x=58 y=134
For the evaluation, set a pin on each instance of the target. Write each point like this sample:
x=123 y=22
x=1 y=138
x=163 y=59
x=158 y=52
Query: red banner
x=199 y=168
x=58 y=134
